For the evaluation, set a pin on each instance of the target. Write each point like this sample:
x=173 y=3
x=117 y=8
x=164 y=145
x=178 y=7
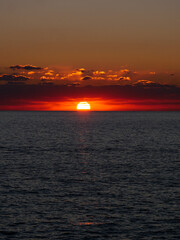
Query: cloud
x=125 y=72
x=76 y=73
x=124 y=79
x=99 y=73
x=86 y=78
x=148 y=83
x=46 y=83
x=51 y=97
x=97 y=77
x=13 y=78
x=144 y=82
x=117 y=92
x=31 y=73
x=15 y=83
x=26 y=67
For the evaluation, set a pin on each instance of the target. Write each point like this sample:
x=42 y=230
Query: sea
x=89 y=175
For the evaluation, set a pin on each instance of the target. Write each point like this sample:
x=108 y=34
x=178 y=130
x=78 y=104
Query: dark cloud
x=59 y=93
x=72 y=85
x=15 y=83
x=46 y=82
x=13 y=78
x=86 y=78
x=26 y=67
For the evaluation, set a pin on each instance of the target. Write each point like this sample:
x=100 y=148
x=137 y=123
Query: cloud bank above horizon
x=29 y=87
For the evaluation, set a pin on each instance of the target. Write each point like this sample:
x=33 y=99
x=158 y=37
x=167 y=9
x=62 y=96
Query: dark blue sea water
x=89 y=175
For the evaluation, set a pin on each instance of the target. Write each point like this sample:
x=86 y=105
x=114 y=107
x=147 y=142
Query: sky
x=116 y=54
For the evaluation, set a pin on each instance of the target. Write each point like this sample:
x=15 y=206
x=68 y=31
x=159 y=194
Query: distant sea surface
x=90 y=175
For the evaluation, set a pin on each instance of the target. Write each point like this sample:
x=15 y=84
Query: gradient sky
x=143 y=34
x=95 y=43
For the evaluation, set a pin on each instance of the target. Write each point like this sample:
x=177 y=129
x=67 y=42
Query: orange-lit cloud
x=145 y=82
x=98 y=77
x=31 y=72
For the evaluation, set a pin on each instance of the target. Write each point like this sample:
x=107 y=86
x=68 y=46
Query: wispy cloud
x=26 y=67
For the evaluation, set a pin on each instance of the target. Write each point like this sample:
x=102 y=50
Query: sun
x=83 y=106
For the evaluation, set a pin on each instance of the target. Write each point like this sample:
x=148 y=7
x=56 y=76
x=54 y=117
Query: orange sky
x=118 y=54
x=94 y=34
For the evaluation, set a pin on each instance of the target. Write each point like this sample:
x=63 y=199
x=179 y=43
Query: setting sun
x=83 y=106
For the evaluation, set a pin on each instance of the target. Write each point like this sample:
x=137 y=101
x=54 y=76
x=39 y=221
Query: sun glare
x=83 y=106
